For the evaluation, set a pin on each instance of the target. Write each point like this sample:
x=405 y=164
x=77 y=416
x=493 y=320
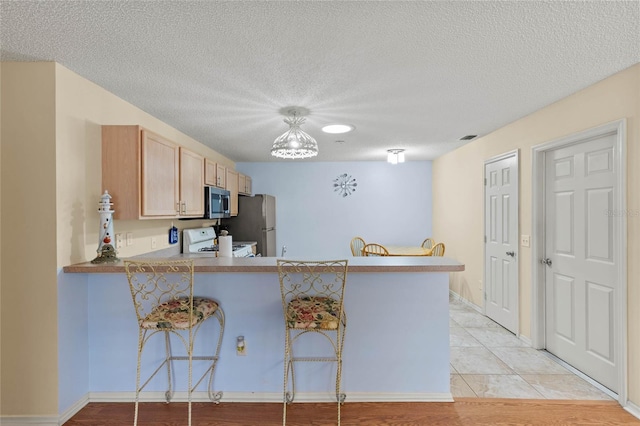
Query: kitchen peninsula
x=397 y=338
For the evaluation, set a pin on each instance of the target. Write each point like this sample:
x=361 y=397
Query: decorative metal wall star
x=344 y=184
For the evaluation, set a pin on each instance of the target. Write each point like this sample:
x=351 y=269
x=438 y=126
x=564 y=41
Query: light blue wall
x=377 y=363
x=391 y=204
x=73 y=339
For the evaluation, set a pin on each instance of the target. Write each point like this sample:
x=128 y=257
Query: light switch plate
x=524 y=240
x=118 y=241
x=129 y=238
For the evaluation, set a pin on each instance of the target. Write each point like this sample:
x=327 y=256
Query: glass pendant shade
x=294 y=143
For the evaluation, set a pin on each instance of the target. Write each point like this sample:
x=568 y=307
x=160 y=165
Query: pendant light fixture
x=294 y=143
x=395 y=156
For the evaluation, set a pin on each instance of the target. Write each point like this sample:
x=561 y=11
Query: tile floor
x=490 y=362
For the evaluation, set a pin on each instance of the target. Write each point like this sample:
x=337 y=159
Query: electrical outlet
x=241 y=346
x=129 y=238
x=524 y=240
x=154 y=242
x=118 y=241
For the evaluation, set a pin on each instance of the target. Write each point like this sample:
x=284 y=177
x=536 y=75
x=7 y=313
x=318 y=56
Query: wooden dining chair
x=438 y=250
x=357 y=244
x=374 y=249
x=428 y=243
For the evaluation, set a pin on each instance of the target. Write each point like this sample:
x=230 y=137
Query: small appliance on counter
x=201 y=240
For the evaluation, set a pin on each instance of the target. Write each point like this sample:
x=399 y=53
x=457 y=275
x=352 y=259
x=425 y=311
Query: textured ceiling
x=413 y=75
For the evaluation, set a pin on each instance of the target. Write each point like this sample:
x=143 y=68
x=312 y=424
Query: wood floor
x=464 y=411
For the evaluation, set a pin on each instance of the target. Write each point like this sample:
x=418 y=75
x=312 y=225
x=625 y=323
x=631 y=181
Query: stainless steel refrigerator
x=256 y=221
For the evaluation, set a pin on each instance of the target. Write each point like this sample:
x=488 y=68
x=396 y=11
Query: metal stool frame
x=151 y=284
x=304 y=279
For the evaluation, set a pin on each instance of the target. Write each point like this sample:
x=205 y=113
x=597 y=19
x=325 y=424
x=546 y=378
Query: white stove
x=200 y=240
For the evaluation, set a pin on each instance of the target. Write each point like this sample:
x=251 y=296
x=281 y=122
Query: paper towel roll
x=225 y=246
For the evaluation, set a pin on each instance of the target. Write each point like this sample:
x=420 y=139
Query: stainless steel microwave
x=216 y=203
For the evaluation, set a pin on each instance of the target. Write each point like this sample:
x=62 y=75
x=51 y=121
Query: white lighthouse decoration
x=106 y=251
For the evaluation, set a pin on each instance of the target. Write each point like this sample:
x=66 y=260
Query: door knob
x=546 y=261
x=511 y=253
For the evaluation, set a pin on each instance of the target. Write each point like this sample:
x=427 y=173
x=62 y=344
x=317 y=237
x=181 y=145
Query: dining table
x=408 y=251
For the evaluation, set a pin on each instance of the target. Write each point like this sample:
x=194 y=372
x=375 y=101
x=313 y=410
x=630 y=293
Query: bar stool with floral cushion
x=162 y=294
x=312 y=301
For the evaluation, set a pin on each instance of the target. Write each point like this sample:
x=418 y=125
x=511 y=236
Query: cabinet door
x=159 y=177
x=232 y=187
x=221 y=176
x=191 y=184
x=210 y=173
x=248 y=185
x=242 y=183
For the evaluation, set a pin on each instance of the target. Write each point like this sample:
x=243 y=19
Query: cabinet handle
x=178 y=207
x=184 y=207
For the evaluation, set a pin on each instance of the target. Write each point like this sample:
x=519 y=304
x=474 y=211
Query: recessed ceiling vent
x=468 y=137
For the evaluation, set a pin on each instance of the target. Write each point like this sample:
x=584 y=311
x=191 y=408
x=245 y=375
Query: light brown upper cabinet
x=191 y=184
x=221 y=176
x=209 y=172
x=244 y=184
x=215 y=174
x=232 y=187
x=150 y=177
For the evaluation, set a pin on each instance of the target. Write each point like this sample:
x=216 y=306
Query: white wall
x=391 y=204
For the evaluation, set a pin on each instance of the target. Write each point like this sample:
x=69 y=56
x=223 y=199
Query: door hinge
x=485 y=238
x=485 y=181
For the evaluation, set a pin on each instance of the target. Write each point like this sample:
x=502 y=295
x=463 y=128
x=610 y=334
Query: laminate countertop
x=205 y=263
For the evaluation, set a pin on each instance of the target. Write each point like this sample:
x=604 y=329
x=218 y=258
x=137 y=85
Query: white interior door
x=501 y=240
x=581 y=257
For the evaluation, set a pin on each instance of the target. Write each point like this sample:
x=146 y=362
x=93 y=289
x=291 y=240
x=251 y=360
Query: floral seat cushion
x=175 y=313
x=313 y=312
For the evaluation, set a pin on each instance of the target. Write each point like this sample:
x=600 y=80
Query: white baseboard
x=633 y=409
x=29 y=421
x=45 y=420
x=273 y=397
x=461 y=299
x=525 y=339
x=71 y=411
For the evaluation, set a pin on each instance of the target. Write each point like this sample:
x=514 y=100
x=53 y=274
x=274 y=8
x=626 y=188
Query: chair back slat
x=373 y=249
x=428 y=243
x=438 y=250
x=357 y=244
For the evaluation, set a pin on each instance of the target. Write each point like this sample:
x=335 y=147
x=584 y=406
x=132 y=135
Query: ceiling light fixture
x=395 y=156
x=294 y=143
x=338 y=128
